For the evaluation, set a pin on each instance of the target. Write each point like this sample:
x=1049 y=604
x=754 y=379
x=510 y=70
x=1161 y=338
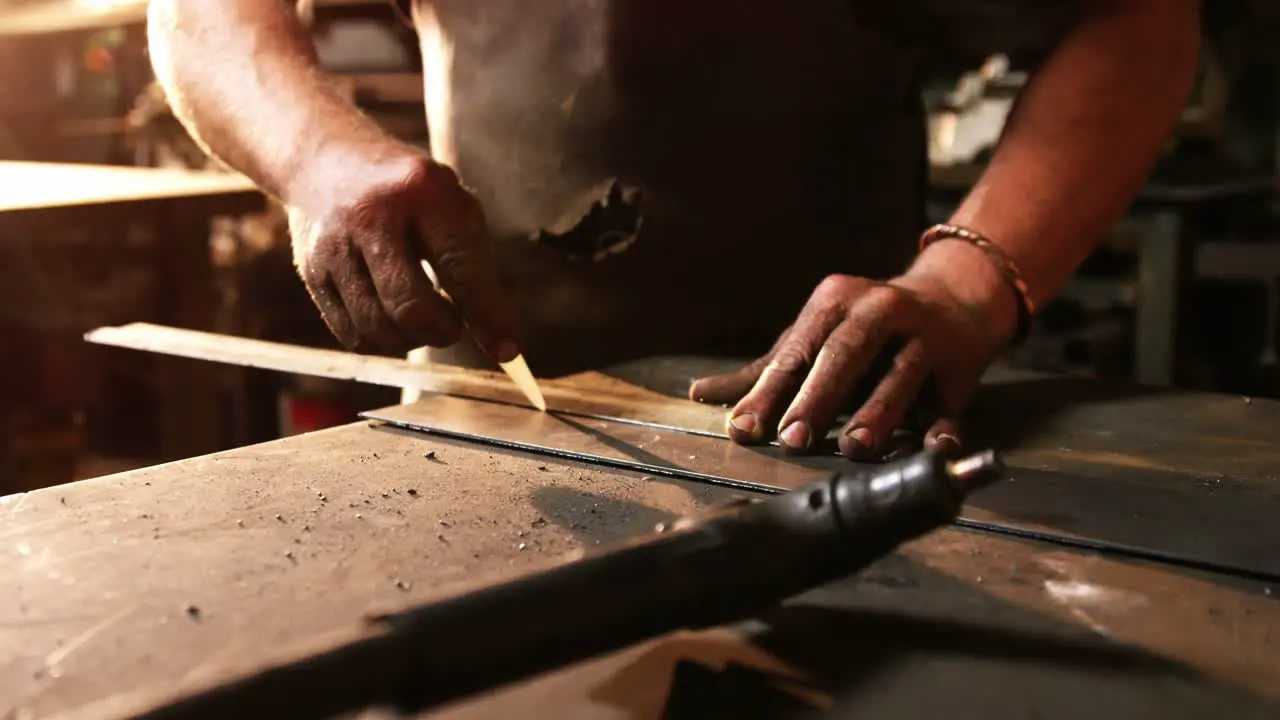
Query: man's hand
x=363 y=219
x=948 y=315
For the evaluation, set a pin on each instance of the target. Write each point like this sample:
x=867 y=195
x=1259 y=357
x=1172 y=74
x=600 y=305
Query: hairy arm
x=1082 y=139
x=242 y=76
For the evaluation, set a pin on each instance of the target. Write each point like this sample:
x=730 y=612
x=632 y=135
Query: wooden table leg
x=190 y=407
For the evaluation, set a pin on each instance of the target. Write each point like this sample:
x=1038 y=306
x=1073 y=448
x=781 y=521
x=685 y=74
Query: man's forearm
x=242 y=76
x=1084 y=136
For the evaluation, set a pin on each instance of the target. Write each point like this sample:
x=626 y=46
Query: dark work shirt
x=734 y=151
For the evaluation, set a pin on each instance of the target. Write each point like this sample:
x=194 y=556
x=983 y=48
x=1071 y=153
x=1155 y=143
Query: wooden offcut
x=585 y=394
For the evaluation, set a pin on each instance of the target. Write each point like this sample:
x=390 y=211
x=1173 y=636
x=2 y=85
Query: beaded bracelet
x=998 y=257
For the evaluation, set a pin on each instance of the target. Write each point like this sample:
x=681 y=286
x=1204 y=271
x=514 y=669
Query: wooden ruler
x=588 y=394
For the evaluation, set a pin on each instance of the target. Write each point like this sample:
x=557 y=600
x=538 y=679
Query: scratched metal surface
x=290 y=544
x=1065 y=423
x=1227 y=523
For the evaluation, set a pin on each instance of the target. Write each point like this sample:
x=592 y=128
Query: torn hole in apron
x=605 y=221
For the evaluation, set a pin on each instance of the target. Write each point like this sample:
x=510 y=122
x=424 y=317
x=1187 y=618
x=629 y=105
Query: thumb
x=461 y=260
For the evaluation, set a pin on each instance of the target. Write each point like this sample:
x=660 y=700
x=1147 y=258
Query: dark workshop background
x=1184 y=292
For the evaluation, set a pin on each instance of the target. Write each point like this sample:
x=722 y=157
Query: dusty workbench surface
x=137 y=587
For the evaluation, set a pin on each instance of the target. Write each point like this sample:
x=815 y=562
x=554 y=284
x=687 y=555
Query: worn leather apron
x=668 y=176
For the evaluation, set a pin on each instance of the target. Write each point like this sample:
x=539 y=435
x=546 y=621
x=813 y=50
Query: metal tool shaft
x=704 y=570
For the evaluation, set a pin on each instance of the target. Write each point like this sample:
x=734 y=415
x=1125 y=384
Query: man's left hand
x=948 y=316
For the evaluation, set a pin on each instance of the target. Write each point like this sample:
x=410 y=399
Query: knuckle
x=791 y=359
x=846 y=343
x=893 y=300
x=833 y=286
x=418 y=171
x=911 y=359
x=372 y=209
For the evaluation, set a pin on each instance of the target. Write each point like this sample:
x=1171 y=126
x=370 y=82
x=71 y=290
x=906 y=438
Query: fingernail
x=861 y=440
x=946 y=443
x=796 y=436
x=745 y=423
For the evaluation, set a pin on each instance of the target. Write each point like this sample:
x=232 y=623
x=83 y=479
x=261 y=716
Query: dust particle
x=403 y=585
x=521 y=546
x=306 y=528
x=289 y=554
x=62 y=500
x=239 y=523
x=358 y=516
x=1248 y=401
x=278 y=517
x=193 y=612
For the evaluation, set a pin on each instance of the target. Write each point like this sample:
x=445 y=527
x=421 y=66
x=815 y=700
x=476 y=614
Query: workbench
x=90 y=213
x=134 y=588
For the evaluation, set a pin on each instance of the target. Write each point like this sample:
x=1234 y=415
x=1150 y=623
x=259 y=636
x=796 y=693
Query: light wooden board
x=589 y=393
x=50 y=16
x=37 y=186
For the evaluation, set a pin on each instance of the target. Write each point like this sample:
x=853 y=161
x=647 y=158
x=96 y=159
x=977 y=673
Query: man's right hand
x=363 y=217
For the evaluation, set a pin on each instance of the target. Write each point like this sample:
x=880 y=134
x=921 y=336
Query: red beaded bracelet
x=1002 y=261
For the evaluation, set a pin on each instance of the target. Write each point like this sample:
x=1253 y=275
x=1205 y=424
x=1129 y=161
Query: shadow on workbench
x=1006 y=414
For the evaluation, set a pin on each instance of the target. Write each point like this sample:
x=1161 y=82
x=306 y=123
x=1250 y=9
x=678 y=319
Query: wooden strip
x=587 y=394
x=36 y=185
x=54 y=16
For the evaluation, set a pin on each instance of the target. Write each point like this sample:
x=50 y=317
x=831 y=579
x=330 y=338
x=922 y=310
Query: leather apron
x=667 y=176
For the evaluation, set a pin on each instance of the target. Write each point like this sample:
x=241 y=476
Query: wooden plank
x=50 y=16
x=587 y=394
x=1043 y=422
x=987 y=624
x=37 y=186
x=190 y=410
